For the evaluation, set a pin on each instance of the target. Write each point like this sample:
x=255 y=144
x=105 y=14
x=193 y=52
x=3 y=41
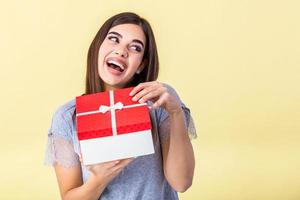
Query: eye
x=113 y=38
x=136 y=48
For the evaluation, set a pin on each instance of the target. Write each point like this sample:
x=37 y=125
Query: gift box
x=110 y=126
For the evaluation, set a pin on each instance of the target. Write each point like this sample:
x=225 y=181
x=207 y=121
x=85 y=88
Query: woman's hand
x=158 y=94
x=71 y=185
x=105 y=172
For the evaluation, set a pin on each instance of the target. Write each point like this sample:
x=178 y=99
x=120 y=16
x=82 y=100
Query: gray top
x=142 y=179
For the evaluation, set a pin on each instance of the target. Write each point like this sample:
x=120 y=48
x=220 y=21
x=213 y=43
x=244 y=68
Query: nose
x=121 y=52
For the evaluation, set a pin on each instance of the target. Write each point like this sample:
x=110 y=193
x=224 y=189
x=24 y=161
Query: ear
x=141 y=67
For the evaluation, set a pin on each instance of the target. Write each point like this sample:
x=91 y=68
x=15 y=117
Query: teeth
x=116 y=63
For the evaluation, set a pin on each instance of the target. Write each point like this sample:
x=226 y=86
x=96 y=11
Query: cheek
x=136 y=61
x=103 y=50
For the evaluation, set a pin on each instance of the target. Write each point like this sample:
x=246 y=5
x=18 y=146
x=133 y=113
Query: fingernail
x=134 y=98
x=131 y=93
x=141 y=100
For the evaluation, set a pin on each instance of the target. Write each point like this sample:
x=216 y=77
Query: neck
x=110 y=87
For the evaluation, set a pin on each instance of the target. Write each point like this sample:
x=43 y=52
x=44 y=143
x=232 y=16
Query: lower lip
x=113 y=71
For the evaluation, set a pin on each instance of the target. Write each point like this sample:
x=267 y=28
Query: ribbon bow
x=118 y=106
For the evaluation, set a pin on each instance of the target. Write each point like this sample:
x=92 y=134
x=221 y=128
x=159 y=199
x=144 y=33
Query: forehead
x=129 y=31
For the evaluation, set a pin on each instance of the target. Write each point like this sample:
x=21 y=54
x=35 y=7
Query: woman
x=124 y=54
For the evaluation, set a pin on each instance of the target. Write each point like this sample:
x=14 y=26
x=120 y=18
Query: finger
x=122 y=164
x=110 y=164
x=105 y=165
x=144 y=91
x=126 y=161
x=153 y=95
x=139 y=87
x=161 y=101
x=116 y=172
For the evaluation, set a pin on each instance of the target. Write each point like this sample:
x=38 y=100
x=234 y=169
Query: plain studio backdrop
x=235 y=63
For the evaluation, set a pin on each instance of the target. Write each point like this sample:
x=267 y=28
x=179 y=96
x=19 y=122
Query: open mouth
x=115 y=65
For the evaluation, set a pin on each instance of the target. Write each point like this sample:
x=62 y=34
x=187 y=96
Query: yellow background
x=235 y=63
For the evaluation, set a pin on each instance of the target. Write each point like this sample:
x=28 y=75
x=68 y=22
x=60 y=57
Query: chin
x=114 y=82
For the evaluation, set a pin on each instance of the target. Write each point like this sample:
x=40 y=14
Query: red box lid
x=95 y=125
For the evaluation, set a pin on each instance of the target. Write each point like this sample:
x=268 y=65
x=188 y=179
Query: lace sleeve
x=60 y=151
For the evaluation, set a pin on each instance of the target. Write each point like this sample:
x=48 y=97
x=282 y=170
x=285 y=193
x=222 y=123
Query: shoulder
x=66 y=110
x=169 y=87
x=63 y=119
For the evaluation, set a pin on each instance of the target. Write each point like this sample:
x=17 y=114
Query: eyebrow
x=119 y=35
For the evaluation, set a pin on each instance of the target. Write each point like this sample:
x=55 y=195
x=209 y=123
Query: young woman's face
x=120 y=55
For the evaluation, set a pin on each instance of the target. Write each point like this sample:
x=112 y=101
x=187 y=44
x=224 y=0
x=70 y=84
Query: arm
x=179 y=163
x=178 y=155
x=71 y=185
x=69 y=175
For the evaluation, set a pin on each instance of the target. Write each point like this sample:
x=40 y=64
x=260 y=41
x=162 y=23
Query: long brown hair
x=94 y=83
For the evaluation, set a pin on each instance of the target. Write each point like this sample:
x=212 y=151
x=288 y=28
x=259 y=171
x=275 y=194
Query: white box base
x=110 y=148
